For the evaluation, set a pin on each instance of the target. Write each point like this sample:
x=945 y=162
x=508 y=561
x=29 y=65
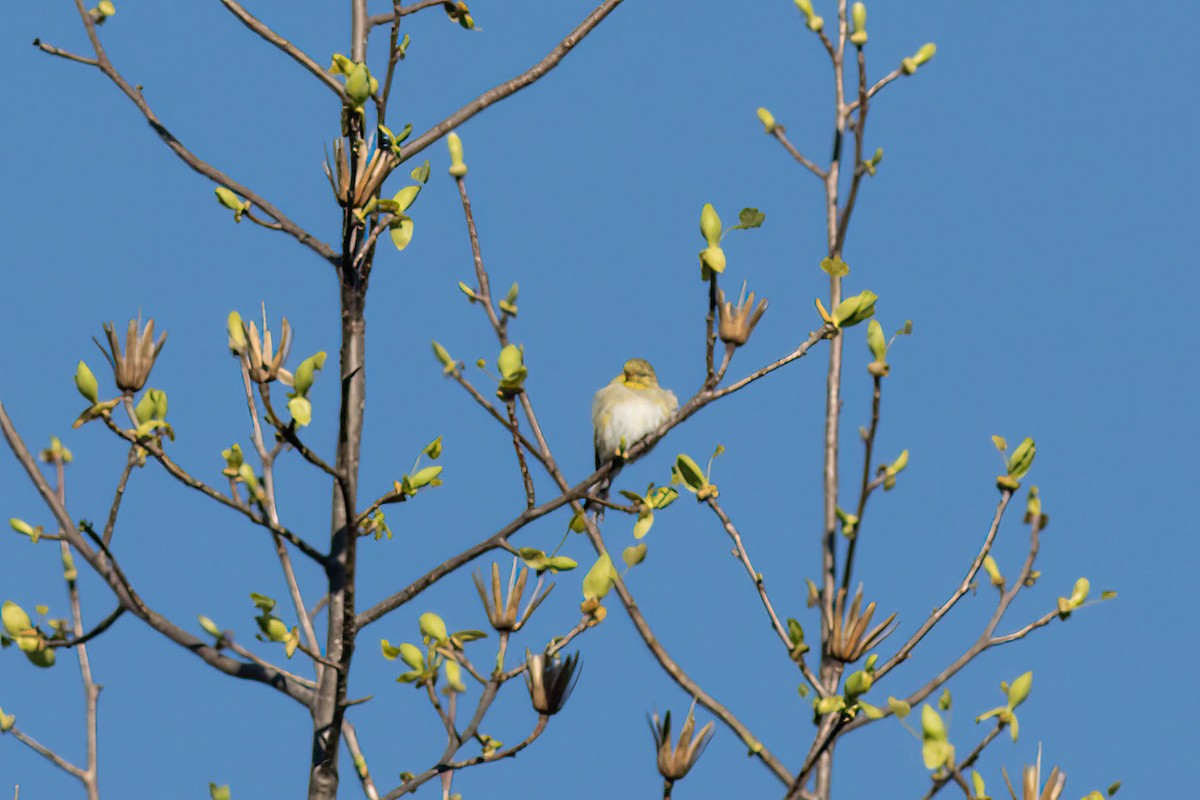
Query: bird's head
x=639 y=374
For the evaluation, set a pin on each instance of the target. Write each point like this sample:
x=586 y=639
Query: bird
x=631 y=406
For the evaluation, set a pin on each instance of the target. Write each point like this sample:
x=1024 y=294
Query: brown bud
x=737 y=323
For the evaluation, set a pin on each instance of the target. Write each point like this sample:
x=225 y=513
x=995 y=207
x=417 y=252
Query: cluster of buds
x=131 y=368
x=1015 y=694
x=368 y=175
x=737 y=322
x=550 y=680
x=675 y=760
x=503 y=609
x=848 y=637
x=263 y=360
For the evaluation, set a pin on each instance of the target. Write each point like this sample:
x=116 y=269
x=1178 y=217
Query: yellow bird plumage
x=631 y=406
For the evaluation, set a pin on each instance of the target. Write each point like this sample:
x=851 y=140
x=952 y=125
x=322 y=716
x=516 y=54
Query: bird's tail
x=601 y=490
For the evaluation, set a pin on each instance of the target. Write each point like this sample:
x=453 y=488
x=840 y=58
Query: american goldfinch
x=631 y=406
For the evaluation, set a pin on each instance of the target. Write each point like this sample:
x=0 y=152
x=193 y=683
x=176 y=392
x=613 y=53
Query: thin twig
x=527 y=479
x=83 y=638
x=360 y=761
x=756 y=748
x=796 y=154
x=865 y=490
x=130 y=462
x=964 y=587
x=759 y=584
x=56 y=51
x=404 y=11
x=412 y=784
x=297 y=55
x=109 y=571
x=187 y=156
x=184 y=477
x=498 y=93
x=46 y=752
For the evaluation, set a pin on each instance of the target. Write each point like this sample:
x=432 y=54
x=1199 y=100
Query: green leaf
x=749 y=218
x=644 y=522
x=599 y=578
x=15 y=620
x=833 y=702
x=510 y=361
x=1107 y=594
x=795 y=632
x=710 y=225
x=662 y=497
x=405 y=197
x=411 y=654
x=634 y=554
x=906 y=330
x=209 y=626
x=443 y=356
x=1000 y=442
x=301 y=410
x=869 y=710
x=856 y=309
x=401 y=230
x=85 y=382
x=302 y=379
x=468 y=636
x=689 y=471
x=835 y=267
x=535 y=559
x=467 y=290
x=1019 y=690
x=945 y=701
x=509 y=304
x=561 y=564
x=900 y=708
x=433 y=626
x=875 y=341
x=433 y=449
x=421 y=173
x=262 y=602
x=426 y=477
x=218 y=792
x=358 y=85
x=389 y=650
x=230 y=200
x=1022 y=458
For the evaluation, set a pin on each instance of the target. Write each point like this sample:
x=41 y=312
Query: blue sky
x=1033 y=216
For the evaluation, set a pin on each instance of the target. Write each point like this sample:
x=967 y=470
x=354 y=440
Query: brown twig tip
x=503 y=608
x=847 y=636
x=550 y=680
x=737 y=322
x=676 y=760
x=132 y=368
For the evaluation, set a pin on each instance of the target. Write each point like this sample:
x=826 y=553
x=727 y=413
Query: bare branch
x=83 y=638
x=109 y=572
x=297 y=55
x=184 y=477
x=507 y=88
x=741 y=554
x=796 y=154
x=963 y=588
x=420 y=5
x=867 y=485
x=187 y=156
x=55 y=51
x=47 y=753
x=130 y=462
